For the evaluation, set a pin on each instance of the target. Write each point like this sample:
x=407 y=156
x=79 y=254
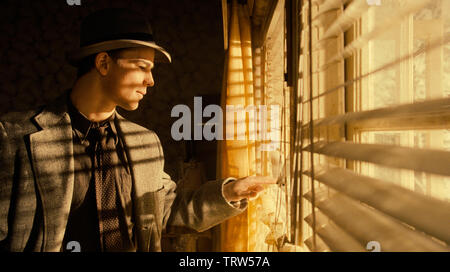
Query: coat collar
x=54 y=113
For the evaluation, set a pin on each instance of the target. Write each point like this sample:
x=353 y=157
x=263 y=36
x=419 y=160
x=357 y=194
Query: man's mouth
x=142 y=93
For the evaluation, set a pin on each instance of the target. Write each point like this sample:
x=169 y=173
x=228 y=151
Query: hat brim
x=161 y=55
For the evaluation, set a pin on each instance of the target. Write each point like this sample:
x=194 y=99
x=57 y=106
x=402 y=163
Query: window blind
x=339 y=204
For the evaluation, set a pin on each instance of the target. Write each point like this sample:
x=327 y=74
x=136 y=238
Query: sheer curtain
x=236 y=157
x=256 y=152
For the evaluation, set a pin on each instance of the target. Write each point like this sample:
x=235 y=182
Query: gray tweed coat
x=37 y=179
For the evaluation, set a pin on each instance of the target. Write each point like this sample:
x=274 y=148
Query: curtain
x=237 y=156
x=257 y=227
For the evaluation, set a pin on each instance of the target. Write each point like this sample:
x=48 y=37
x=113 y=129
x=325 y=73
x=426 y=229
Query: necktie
x=105 y=189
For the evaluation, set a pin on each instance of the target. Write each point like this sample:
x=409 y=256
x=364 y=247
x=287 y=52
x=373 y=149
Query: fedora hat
x=113 y=28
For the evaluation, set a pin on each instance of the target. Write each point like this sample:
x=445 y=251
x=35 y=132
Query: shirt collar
x=82 y=125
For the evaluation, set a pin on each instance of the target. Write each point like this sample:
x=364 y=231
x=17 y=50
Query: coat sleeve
x=6 y=179
x=200 y=209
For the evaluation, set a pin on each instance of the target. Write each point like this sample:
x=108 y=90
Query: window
x=419 y=78
x=374 y=82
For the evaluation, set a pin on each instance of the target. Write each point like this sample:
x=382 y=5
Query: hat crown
x=113 y=28
x=113 y=24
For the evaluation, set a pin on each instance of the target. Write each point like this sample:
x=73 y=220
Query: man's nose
x=148 y=81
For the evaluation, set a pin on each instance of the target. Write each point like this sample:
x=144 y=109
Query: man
x=78 y=171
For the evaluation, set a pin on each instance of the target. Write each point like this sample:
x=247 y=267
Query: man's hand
x=247 y=187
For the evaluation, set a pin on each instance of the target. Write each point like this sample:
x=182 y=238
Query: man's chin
x=130 y=106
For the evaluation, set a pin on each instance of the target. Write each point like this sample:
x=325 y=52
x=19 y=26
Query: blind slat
x=430 y=113
x=352 y=13
x=388 y=155
x=366 y=224
x=418 y=210
x=325 y=6
x=433 y=44
x=325 y=9
x=333 y=236
x=332 y=4
x=320 y=244
x=382 y=25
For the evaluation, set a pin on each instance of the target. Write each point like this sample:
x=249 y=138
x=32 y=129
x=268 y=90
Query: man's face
x=129 y=76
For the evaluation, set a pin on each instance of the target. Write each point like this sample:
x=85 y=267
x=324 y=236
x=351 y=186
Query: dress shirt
x=83 y=223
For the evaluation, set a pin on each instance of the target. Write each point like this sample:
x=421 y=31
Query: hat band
x=121 y=36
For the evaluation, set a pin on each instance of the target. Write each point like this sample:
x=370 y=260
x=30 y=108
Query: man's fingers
x=248 y=187
x=250 y=195
x=262 y=179
x=256 y=188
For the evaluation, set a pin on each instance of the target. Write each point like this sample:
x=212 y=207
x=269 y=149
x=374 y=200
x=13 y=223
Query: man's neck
x=88 y=99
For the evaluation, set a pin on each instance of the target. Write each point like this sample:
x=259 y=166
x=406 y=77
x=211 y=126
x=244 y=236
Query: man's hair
x=88 y=63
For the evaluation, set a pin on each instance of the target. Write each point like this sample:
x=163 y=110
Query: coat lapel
x=145 y=160
x=53 y=163
x=143 y=154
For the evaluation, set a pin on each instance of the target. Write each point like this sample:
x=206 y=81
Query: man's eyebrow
x=148 y=62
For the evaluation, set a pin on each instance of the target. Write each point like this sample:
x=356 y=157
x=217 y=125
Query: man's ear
x=102 y=63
